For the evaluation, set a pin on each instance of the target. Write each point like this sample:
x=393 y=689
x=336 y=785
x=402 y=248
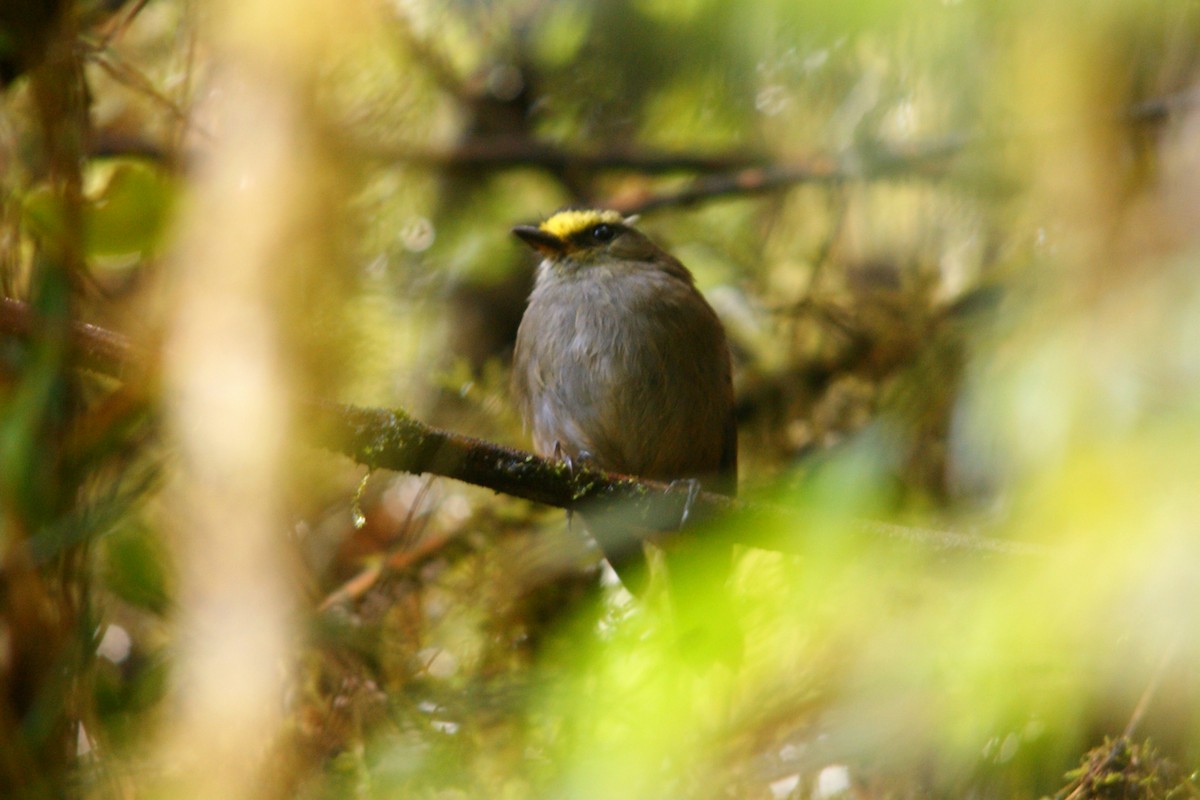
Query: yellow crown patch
x=565 y=224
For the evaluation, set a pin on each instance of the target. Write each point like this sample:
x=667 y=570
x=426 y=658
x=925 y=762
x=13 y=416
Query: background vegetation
x=954 y=244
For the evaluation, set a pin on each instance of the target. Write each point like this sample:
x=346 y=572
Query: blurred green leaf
x=135 y=568
x=126 y=210
x=130 y=213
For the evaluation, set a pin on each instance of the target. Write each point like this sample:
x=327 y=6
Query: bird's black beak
x=539 y=240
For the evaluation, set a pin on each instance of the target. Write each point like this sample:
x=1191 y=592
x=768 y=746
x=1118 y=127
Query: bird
x=620 y=363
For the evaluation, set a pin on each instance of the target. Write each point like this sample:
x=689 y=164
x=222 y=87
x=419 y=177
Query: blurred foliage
x=980 y=312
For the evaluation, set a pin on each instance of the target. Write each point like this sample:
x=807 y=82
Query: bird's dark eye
x=603 y=233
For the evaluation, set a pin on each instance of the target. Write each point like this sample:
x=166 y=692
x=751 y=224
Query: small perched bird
x=620 y=362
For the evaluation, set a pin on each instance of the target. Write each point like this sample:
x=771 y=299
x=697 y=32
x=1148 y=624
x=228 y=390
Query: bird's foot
x=572 y=464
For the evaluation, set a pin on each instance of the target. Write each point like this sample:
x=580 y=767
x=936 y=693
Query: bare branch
x=95 y=348
x=521 y=152
x=736 y=173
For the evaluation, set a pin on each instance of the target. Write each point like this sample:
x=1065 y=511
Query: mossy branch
x=392 y=439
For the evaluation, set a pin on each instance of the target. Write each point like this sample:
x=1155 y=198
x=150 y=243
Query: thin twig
x=1139 y=711
x=930 y=160
x=122 y=23
x=1125 y=740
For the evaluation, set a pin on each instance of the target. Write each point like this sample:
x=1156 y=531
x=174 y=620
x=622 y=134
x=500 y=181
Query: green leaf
x=130 y=213
x=126 y=209
x=135 y=568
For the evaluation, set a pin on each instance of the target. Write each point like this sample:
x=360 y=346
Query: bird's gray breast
x=629 y=368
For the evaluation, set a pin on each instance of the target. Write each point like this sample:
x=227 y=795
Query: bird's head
x=580 y=237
